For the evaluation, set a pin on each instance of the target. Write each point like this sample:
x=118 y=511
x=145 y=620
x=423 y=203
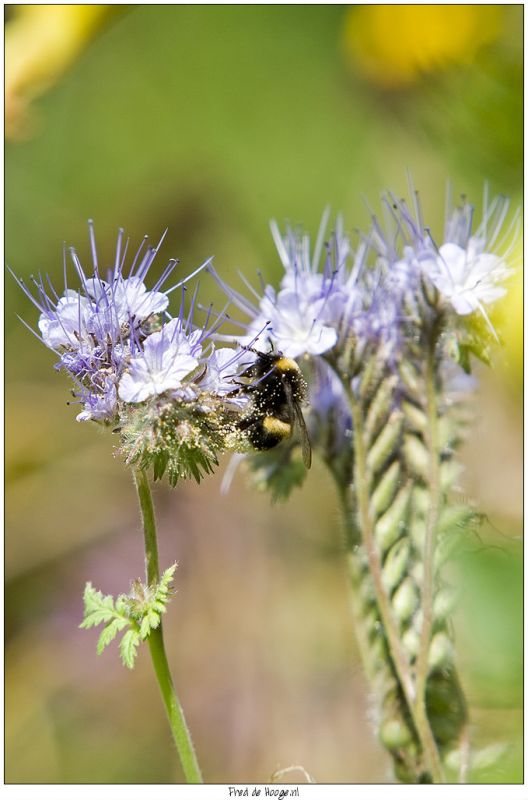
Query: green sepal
x=277 y=472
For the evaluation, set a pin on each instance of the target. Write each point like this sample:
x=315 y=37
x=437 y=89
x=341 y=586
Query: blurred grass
x=211 y=120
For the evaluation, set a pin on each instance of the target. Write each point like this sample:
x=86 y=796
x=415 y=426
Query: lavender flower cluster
x=117 y=340
x=378 y=296
x=123 y=349
x=365 y=291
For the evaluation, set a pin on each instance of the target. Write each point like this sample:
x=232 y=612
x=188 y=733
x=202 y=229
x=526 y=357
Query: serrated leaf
x=165 y=582
x=122 y=604
x=98 y=608
x=128 y=647
x=144 y=628
x=109 y=633
x=150 y=621
x=154 y=619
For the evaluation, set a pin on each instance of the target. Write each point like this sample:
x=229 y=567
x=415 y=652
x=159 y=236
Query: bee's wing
x=297 y=414
x=305 y=439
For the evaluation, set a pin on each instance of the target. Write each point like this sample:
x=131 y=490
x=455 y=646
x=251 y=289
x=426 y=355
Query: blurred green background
x=210 y=121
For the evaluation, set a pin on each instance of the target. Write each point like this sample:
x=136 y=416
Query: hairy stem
x=422 y=667
x=398 y=655
x=178 y=725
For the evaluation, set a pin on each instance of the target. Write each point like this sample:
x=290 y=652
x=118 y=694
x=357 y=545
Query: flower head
x=109 y=334
x=316 y=294
x=464 y=269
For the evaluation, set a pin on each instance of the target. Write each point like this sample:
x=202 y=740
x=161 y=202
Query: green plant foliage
x=179 y=439
x=277 y=475
x=139 y=613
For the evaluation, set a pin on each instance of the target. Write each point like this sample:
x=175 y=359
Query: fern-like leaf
x=128 y=647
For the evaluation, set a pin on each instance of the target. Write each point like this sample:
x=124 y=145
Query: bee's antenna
x=271 y=345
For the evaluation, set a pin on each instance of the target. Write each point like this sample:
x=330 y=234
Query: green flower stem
x=178 y=725
x=149 y=526
x=398 y=655
x=422 y=667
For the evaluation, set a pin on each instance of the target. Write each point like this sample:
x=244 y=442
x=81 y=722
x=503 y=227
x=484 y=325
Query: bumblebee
x=277 y=389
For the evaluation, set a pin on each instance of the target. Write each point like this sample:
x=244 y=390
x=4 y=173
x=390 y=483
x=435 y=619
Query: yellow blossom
x=41 y=42
x=394 y=45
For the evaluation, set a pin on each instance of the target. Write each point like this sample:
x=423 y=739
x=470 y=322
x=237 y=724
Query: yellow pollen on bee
x=274 y=425
x=287 y=365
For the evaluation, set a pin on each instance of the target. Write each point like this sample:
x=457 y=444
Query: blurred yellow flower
x=394 y=45
x=41 y=41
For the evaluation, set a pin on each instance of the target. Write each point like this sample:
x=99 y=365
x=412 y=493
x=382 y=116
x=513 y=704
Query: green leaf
x=277 y=471
x=154 y=618
x=140 y=611
x=150 y=621
x=109 y=633
x=97 y=607
x=122 y=604
x=128 y=647
x=163 y=588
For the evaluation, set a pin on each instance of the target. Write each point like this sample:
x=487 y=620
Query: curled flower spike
x=381 y=332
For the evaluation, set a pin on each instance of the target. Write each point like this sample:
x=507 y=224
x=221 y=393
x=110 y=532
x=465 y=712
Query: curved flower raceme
x=383 y=332
x=373 y=291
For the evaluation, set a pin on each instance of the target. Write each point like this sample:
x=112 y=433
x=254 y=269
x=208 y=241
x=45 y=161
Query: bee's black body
x=277 y=390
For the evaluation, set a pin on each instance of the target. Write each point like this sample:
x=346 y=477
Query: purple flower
x=106 y=327
x=469 y=267
x=294 y=323
x=165 y=359
x=467 y=278
x=223 y=368
x=66 y=325
x=100 y=405
x=306 y=314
